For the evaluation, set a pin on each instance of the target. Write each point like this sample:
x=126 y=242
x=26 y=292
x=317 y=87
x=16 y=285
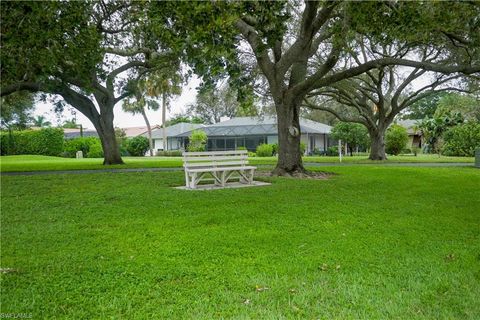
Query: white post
x=340 y=150
x=164 y=116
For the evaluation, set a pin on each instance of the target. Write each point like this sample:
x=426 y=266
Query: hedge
x=90 y=146
x=47 y=141
x=462 y=140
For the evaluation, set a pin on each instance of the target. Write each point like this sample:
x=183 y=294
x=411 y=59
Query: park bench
x=221 y=165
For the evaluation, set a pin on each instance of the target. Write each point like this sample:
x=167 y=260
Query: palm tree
x=41 y=121
x=138 y=106
x=165 y=83
x=167 y=87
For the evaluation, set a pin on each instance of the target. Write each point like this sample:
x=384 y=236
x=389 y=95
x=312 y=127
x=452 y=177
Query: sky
x=123 y=119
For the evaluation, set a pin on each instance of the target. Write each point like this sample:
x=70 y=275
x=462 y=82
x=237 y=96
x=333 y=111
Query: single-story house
x=249 y=132
x=414 y=133
x=173 y=141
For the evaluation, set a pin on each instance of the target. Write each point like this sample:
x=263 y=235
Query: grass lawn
x=372 y=242
x=42 y=163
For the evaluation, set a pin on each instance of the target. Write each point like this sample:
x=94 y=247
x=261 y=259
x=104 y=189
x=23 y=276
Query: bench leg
x=250 y=175
x=223 y=178
x=217 y=178
x=187 y=180
x=193 y=182
x=243 y=177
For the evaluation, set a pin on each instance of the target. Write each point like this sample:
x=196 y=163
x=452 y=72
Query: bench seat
x=221 y=169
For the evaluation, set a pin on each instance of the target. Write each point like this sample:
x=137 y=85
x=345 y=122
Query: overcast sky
x=123 y=119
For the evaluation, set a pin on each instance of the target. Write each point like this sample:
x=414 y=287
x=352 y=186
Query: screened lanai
x=249 y=132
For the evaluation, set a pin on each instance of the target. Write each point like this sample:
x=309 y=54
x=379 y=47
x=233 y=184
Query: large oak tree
x=376 y=97
x=304 y=57
x=89 y=53
x=300 y=47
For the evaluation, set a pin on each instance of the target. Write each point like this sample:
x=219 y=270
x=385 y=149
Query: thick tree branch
x=311 y=24
x=112 y=75
x=28 y=86
x=258 y=48
x=318 y=80
x=339 y=116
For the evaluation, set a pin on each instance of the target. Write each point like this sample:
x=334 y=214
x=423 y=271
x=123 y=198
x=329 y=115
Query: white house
x=172 y=132
x=249 y=132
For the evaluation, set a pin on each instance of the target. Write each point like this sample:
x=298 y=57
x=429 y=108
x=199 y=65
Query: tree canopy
x=90 y=54
x=16 y=110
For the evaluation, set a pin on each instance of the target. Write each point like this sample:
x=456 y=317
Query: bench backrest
x=215 y=159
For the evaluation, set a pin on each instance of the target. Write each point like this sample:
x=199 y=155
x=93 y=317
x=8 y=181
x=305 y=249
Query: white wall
x=320 y=142
x=157 y=144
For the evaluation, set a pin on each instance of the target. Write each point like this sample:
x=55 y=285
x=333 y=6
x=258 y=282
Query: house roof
x=241 y=126
x=137 y=131
x=70 y=133
x=174 y=130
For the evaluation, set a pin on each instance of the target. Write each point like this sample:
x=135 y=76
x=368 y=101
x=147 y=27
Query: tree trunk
x=149 y=129
x=377 y=148
x=164 y=120
x=106 y=133
x=289 y=155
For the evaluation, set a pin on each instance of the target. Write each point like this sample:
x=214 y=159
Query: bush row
x=92 y=147
x=48 y=142
x=172 y=153
x=268 y=150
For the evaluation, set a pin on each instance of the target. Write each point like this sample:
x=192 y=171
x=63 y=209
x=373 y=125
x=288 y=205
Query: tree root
x=377 y=158
x=299 y=173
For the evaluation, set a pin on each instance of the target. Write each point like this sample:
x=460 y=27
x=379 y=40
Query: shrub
x=264 y=150
x=318 y=152
x=275 y=148
x=332 y=151
x=462 y=140
x=96 y=150
x=80 y=144
x=396 y=139
x=47 y=141
x=198 y=141
x=137 y=146
x=252 y=154
x=353 y=134
x=303 y=147
x=172 y=153
x=241 y=148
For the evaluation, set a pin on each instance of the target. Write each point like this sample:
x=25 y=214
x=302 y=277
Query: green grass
x=371 y=243
x=44 y=163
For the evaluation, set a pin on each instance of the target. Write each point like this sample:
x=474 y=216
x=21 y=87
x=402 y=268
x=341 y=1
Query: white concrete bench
x=221 y=165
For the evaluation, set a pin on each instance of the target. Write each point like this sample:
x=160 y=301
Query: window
x=240 y=142
x=252 y=142
x=230 y=144
x=220 y=144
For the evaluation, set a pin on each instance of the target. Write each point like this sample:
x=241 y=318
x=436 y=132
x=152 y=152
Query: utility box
x=477 y=158
x=79 y=154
